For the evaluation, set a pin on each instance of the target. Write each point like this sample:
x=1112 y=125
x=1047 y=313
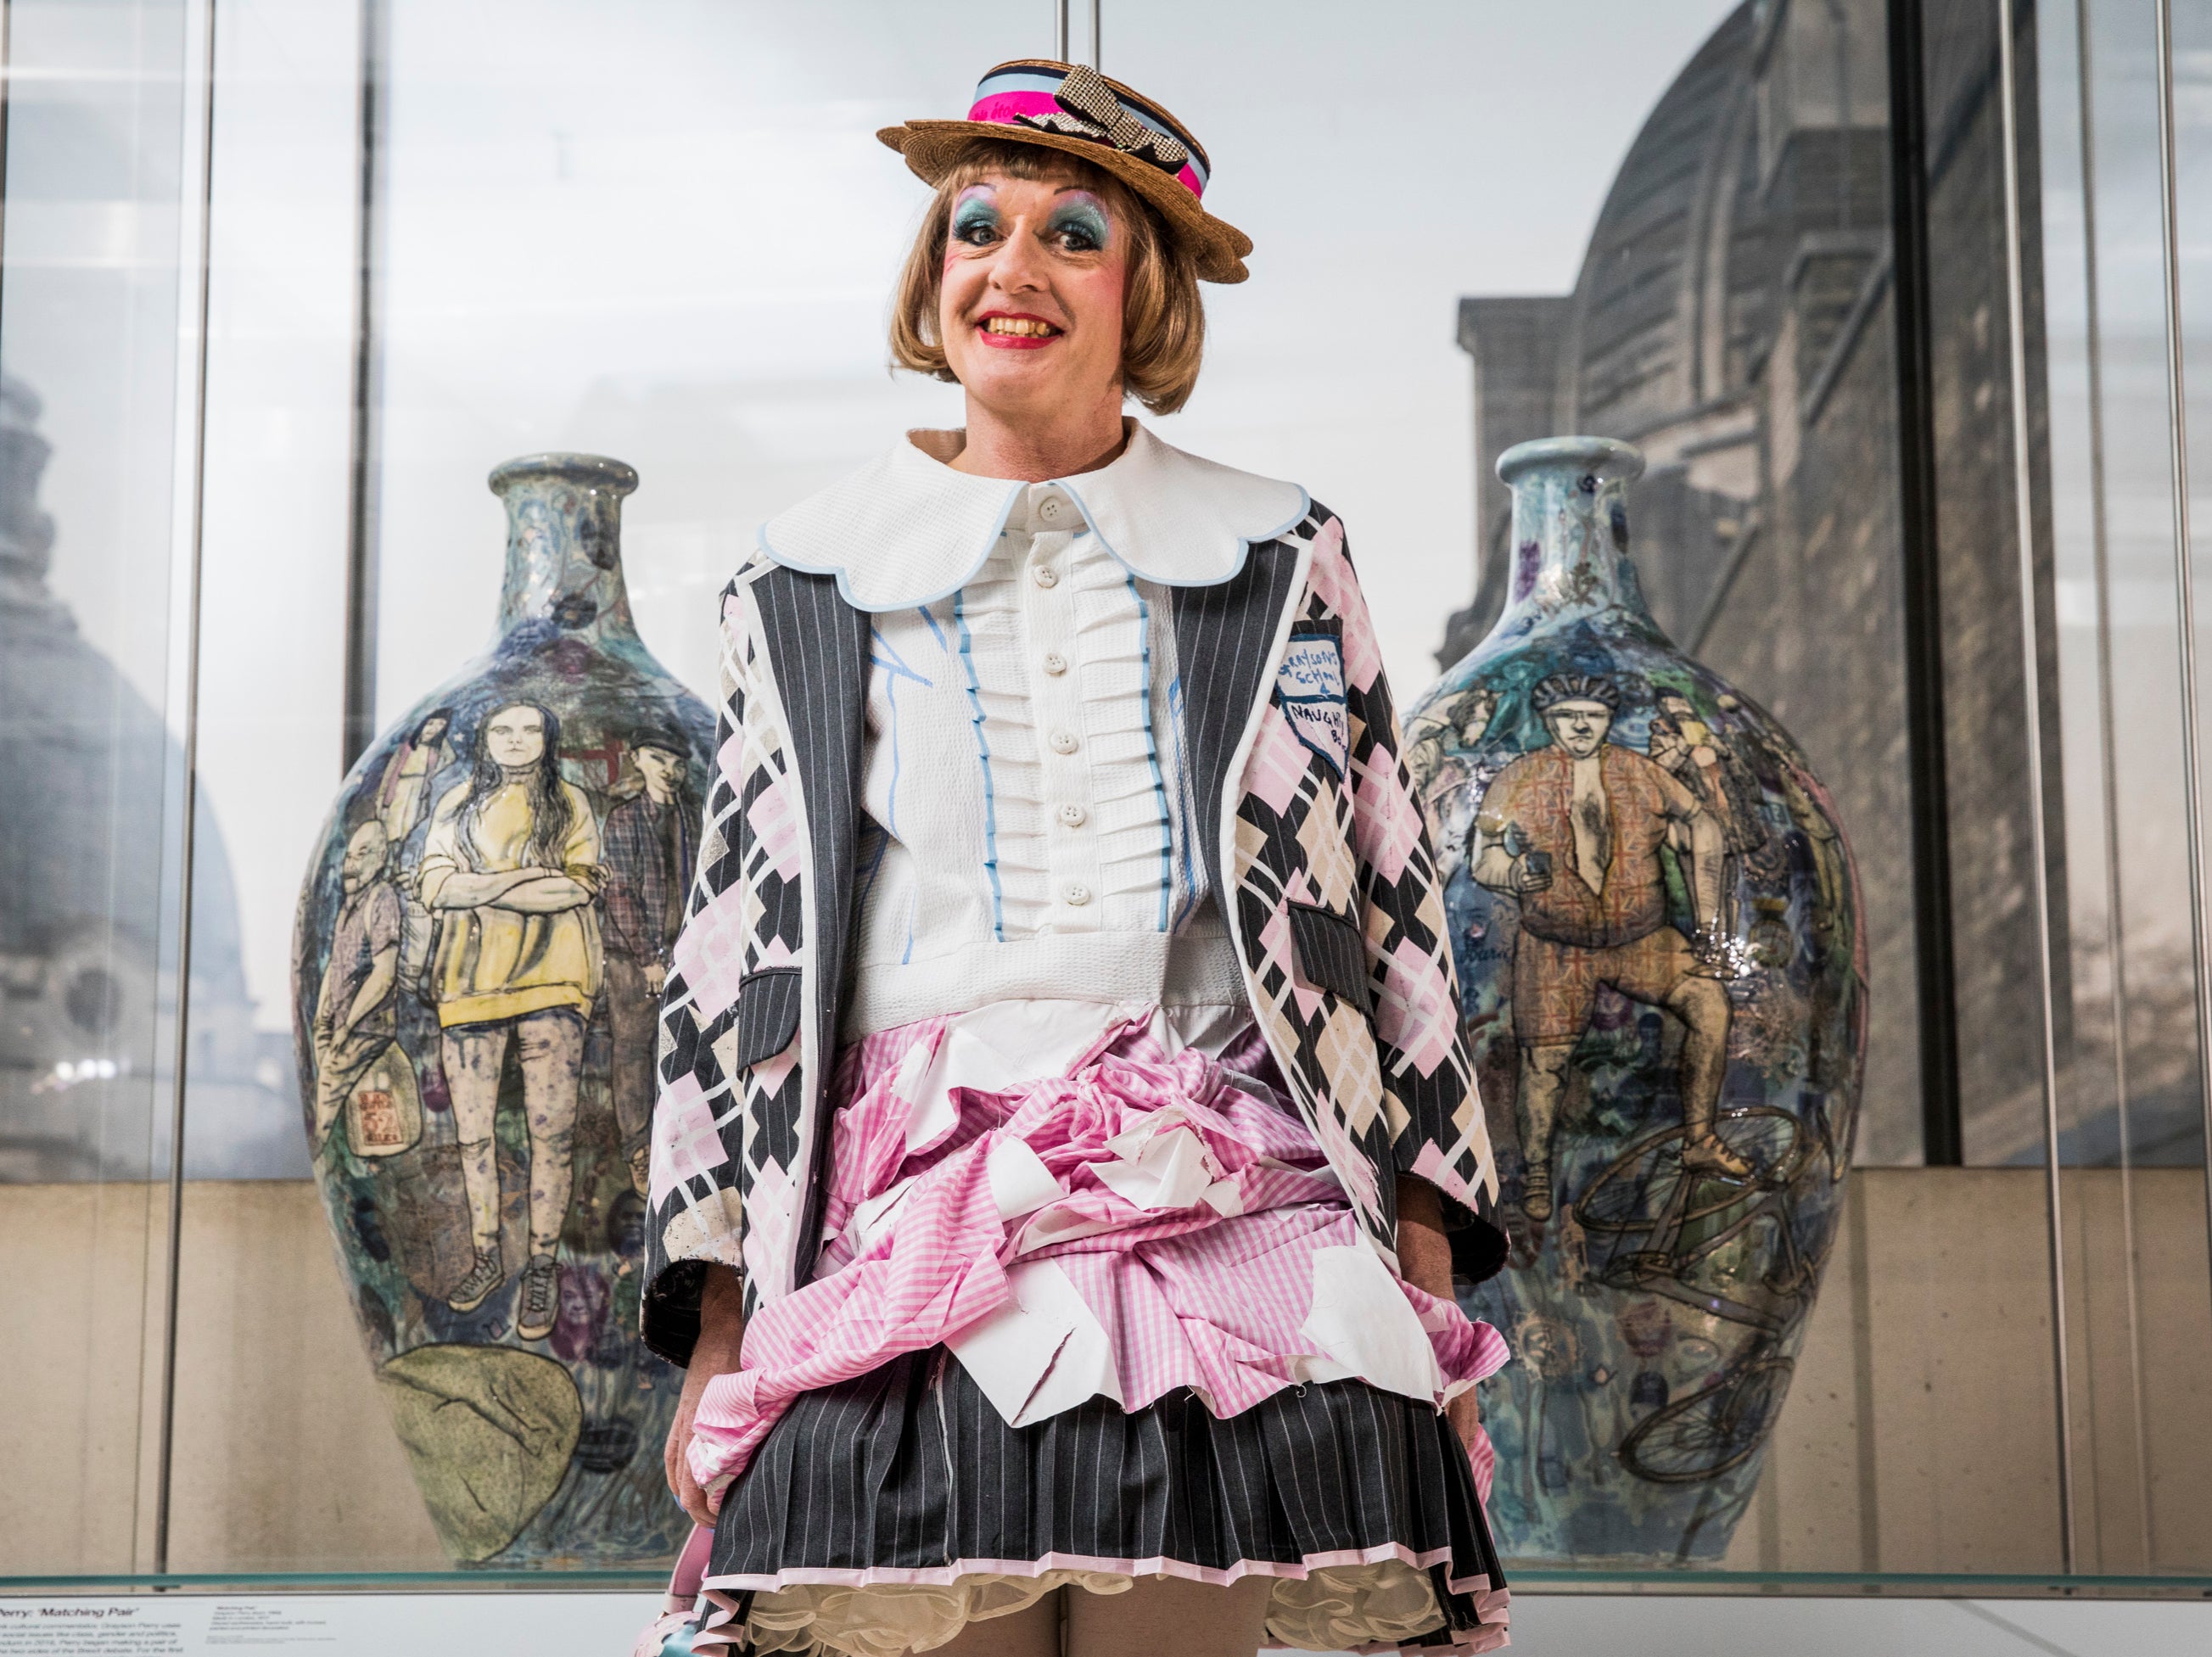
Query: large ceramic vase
x=1655 y=923
x=480 y=941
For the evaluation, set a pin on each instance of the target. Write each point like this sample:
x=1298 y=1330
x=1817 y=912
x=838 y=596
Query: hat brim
x=932 y=148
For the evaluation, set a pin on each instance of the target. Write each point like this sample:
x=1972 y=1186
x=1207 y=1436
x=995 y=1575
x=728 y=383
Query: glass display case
x=1908 y=306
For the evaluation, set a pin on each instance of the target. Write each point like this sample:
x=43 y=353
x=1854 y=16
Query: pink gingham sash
x=1208 y=1293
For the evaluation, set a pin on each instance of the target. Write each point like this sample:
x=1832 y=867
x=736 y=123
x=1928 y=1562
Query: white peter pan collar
x=906 y=529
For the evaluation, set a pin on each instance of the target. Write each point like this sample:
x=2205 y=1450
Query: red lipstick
x=1034 y=331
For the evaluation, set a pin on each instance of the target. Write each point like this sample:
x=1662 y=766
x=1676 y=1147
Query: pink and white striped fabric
x=1142 y=1220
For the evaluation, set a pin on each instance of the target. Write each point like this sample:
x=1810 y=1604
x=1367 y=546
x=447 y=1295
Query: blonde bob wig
x=1163 y=319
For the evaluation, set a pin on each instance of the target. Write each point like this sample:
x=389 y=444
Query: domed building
x=1736 y=317
x=88 y=909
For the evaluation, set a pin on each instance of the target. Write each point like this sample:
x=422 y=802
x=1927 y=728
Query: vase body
x=1654 y=919
x=477 y=1064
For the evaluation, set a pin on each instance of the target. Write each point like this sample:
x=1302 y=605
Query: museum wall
x=1920 y=1434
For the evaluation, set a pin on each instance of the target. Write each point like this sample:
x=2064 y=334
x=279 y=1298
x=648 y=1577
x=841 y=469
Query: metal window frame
x=1934 y=976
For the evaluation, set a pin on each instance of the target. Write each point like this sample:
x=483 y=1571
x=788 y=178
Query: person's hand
x=656 y=977
x=690 y=1493
x=1465 y=1414
x=1424 y=1258
x=1531 y=877
x=721 y=1338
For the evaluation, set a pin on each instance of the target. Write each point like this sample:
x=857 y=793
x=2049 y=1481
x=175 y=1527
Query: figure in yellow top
x=511 y=869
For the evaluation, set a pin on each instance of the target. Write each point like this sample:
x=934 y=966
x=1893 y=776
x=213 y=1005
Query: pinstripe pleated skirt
x=909 y=1476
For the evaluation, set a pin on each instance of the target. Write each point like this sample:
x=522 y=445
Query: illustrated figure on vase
x=403 y=796
x=1573 y=831
x=1663 y=983
x=357 y=1010
x=404 y=800
x=651 y=847
x=462 y=1017
x=510 y=870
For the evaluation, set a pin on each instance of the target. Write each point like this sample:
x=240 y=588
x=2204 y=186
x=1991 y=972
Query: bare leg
x=1543 y=1084
x=1169 y=1617
x=1702 y=1004
x=1033 y=1631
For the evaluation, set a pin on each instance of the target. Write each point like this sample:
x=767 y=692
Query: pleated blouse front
x=1027 y=831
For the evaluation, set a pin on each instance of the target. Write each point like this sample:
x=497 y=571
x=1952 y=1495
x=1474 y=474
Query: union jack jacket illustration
x=1321 y=859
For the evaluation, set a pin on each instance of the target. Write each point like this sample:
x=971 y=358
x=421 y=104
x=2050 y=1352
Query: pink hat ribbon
x=1078 y=102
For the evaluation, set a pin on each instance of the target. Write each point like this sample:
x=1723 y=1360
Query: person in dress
x=1065 y=1144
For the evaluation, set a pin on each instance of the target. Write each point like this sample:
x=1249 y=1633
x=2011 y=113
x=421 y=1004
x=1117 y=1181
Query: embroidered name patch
x=1310 y=683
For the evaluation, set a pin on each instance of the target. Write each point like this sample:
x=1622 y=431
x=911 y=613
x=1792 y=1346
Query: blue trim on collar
x=1243 y=546
x=885 y=607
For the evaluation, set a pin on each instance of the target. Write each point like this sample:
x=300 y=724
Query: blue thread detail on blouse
x=983 y=756
x=894 y=669
x=875 y=863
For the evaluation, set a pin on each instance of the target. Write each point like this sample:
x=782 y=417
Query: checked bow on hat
x=1089 y=109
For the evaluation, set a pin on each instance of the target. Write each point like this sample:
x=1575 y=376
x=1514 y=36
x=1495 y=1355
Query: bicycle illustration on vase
x=1649 y=1223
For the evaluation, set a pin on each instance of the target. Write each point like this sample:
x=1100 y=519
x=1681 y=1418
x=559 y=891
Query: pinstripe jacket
x=1317 y=853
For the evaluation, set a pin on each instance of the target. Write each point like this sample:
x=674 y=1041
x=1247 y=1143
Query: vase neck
x=1570 y=540
x=564 y=546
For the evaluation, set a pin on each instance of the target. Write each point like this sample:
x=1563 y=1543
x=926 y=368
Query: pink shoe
x=669 y=1635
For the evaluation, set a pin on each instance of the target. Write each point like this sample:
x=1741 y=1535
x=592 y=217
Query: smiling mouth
x=1020 y=333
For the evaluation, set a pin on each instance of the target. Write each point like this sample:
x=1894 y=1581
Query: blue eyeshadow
x=1086 y=215
x=975 y=213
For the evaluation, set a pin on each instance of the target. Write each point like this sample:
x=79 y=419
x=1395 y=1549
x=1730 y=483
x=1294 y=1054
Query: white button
x=1048 y=509
x=1077 y=896
x=1044 y=575
x=1054 y=663
x=1063 y=742
x=1073 y=814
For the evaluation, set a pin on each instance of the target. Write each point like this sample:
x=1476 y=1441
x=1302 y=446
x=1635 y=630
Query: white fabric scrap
x=1362 y=1320
x=1161 y=1163
x=995 y=1048
x=1043 y=1352
x=873 y=1218
x=1020 y=1182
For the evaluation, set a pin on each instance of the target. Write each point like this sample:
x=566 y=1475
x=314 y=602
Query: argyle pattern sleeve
x=1342 y=919
x=1437 y=1130
x=720 y=1188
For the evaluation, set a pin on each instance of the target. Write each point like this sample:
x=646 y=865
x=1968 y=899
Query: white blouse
x=1028 y=834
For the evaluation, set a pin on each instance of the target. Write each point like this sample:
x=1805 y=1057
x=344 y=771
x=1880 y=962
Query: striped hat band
x=1076 y=101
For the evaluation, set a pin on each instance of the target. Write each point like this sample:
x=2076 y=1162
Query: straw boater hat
x=1072 y=108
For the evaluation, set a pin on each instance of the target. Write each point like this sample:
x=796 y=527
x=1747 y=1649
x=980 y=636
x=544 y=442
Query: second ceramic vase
x=1655 y=923
x=477 y=960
